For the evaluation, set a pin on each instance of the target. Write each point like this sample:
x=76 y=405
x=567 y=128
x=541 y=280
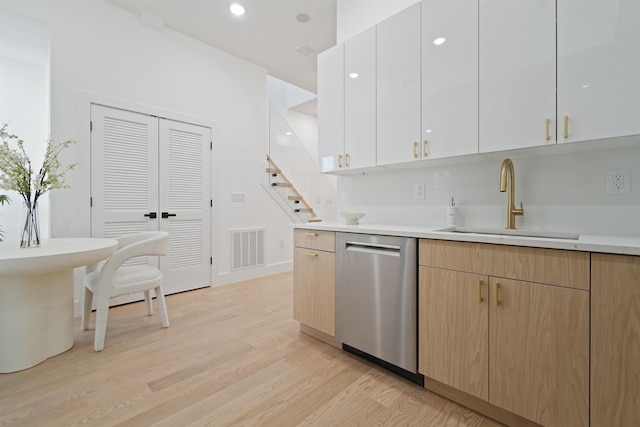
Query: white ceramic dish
x=352 y=218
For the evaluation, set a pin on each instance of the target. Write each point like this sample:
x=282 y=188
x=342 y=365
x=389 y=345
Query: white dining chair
x=110 y=279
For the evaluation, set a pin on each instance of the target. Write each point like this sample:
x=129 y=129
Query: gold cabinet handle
x=415 y=149
x=311 y=234
x=566 y=126
x=424 y=148
x=310 y=254
x=347 y=160
x=547 y=122
x=339 y=160
x=497 y=293
x=480 y=298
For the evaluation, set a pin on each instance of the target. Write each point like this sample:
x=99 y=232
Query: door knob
x=151 y=215
x=167 y=214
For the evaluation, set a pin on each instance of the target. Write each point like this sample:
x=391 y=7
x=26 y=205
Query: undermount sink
x=518 y=233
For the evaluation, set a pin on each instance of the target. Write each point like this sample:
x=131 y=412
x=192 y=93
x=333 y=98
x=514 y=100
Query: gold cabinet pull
x=566 y=126
x=547 y=122
x=424 y=148
x=415 y=149
x=311 y=234
x=310 y=254
x=480 y=298
x=339 y=160
x=497 y=293
x=347 y=160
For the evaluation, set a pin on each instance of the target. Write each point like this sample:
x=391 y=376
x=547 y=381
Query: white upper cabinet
x=331 y=109
x=517 y=71
x=360 y=100
x=398 y=87
x=449 y=78
x=598 y=69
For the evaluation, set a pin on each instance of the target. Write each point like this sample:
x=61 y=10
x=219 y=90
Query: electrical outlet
x=618 y=181
x=418 y=191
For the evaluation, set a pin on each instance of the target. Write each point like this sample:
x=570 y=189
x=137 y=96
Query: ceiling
x=268 y=35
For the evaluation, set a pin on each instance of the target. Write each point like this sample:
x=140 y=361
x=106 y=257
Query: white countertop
x=585 y=242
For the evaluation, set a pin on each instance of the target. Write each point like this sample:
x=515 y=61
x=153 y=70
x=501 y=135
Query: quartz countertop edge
x=586 y=242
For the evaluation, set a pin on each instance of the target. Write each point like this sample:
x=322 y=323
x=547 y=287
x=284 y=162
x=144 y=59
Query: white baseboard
x=251 y=273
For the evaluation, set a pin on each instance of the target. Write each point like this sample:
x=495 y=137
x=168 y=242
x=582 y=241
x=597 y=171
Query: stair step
x=315 y=220
x=303 y=210
x=281 y=184
x=295 y=197
x=273 y=170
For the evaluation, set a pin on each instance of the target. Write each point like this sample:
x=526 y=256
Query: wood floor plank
x=233 y=356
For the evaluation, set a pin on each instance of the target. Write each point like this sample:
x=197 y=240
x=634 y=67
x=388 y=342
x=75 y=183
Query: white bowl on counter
x=352 y=218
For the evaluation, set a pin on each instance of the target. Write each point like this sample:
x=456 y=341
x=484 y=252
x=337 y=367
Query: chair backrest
x=132 y=245
x=147 y=242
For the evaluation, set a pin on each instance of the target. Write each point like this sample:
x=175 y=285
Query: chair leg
x=162 y=307
x=102 y=312
x=87 y=302
x=147 y=303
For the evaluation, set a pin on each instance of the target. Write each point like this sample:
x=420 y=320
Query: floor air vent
x=247 y=248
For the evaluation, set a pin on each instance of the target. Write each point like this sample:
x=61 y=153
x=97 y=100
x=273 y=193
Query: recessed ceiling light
x=237 y=9
x=585 y=86
x=354 y=75
x=428 y=131
x=439 y=41
x=287 y=133
x=303 y=18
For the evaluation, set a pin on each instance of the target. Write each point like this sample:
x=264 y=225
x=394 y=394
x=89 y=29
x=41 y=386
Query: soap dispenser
x=452 y=211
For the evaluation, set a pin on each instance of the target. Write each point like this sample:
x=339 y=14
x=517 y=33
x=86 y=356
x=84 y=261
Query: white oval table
x=36 y=297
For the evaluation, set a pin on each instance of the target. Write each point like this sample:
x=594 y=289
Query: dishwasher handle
x=373 y=248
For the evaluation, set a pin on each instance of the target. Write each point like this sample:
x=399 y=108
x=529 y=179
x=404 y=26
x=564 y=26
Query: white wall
x=24 y=105
x=355 y=16
x=97 y=48
x=560 y=192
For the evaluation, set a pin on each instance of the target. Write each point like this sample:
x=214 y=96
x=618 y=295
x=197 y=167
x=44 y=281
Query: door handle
x=151 y=215
x=167 y=214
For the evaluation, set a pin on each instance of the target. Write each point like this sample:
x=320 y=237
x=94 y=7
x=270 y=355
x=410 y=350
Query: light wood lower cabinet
x=454 y=329
x=314 y=280
x=615 y=340
x=520 y=345
x=539 y=346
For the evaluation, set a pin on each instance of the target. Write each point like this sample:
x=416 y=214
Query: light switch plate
x=237 y=197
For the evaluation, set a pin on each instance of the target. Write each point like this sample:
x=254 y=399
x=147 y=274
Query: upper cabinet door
x=398 y=97
x=517 y=74
x=331 y=109
x=449 y=78
x=598 y=69
x=360 y=100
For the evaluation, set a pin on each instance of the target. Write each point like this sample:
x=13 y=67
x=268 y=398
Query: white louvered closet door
x=124 y=173
x=142 y=167
x=185 y=204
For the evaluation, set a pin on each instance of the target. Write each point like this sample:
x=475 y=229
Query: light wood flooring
x=233 y=356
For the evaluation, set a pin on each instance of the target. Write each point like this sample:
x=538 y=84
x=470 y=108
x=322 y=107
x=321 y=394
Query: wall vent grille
x=247 y=248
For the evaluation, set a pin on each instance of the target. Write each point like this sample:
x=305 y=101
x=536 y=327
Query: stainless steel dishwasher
x=376 y=299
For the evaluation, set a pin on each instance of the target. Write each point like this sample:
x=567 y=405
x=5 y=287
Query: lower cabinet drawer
x=314 y=288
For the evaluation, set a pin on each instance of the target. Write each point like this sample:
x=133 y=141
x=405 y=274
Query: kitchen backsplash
x=560 y=192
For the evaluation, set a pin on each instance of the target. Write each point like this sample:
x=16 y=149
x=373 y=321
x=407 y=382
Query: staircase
x=292 y=198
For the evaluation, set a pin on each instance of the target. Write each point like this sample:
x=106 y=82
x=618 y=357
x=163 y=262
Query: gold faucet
x=507 y=172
